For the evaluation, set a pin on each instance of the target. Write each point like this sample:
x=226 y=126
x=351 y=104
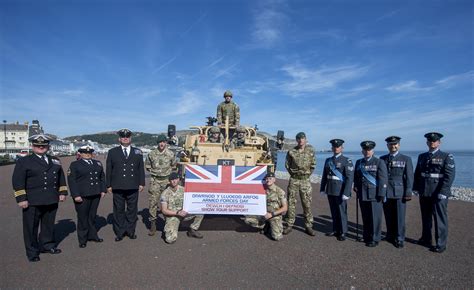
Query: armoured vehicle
x=239 y=146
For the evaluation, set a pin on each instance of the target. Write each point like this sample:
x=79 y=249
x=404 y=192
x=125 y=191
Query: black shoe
x=424 y=242
x=194 y=234
x=34 y=259
x=287 y=230
x=330 y=234
x=372 y=244
x=398 y=244
x=341 y=238
x=98 y=240
x=132 y=236
x=82 y=246
x=310 y=232
x=438 y=249
x=52 y=251
x=118 y=239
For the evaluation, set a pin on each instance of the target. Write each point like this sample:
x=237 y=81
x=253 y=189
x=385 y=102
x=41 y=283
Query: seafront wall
x=459 y=193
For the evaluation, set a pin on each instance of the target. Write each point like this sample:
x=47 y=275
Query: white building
x=14 y=138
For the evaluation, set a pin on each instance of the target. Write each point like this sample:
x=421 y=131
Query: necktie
x=89 y=162
x=44 y=159
x=125 y=152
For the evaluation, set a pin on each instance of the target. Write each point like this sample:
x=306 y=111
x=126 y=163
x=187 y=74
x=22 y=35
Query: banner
x=217 y=189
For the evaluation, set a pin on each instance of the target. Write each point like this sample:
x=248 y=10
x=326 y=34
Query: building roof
x=16 y=127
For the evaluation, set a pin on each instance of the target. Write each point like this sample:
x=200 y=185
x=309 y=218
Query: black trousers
x=338 y=208
x=372 y=220
x=125 y=211
x=86 y=212
x=437 y=210
x=394 y=211
x=33 y=216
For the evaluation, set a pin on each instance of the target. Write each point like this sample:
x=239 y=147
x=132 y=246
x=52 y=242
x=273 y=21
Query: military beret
x=86 y=149
x=124 y=133
x=367 y=145
x=227 y=94
x=39 y=140
x=300 y=135
x=173 y=175
x=337 y=142
x=392 y=140
x=240 y=129
x=270 y=174
x=215 y=129
x=433 y=136
x=161 y=138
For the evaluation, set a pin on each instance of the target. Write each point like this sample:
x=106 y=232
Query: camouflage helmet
x=214 y=129
x=240 y=129
x=228 y=94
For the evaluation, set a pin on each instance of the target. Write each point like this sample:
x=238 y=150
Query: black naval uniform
x=125 y=175
x=399 y=190
x=434 y=175
x=86 y=179
x=338 y=174
x=371 y=191
x=40 y=183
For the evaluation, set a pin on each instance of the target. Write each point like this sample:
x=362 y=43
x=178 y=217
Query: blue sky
x=354 y=70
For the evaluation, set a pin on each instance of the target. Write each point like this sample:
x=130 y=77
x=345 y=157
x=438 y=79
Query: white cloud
x=445 y=83
x=408 y=86
x=305 y=80
x=454 y=80
x=269 y=24
x=188 y=103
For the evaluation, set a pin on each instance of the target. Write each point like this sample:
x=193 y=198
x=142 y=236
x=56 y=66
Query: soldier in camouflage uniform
x=276 y=207
x=228 y=108
x=300 y=164
x=172 y=207
x=160 y=162
x=239 y=139
x=214 y=135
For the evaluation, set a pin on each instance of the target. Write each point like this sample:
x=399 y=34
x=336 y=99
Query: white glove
x=345 y=197
x=323 y=193
x=442 y=196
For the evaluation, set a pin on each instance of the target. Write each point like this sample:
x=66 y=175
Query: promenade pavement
x=233 y=255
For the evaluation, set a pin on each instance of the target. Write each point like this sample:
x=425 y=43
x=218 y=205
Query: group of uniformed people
x=384 y=184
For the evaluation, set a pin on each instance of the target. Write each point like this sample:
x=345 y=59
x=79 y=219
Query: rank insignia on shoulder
x=99 y=163
x=56 y=161
x=138 y=151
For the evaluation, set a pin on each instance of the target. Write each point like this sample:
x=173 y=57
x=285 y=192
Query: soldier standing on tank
x=399 y=191
x=160 y=163
x=434 y=176
x=370 y=184
x=172 y=208
x=39 y=184
x=228 y=108
x=336 y=183
x=300 y=164
x=276 y=207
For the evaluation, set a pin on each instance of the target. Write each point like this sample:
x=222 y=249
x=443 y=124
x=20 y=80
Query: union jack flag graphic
x=218 y=189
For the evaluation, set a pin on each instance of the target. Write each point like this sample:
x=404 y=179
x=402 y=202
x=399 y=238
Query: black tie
x=89 y=162
x=44 y=159
x=125 y=152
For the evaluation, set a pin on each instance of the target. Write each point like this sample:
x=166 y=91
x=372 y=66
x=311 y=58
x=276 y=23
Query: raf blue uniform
x=370 y=184
x=40 y=183
x=336 y=182
x=86 y=178
x=434 y=176
x=399 y=191
x=125 y=174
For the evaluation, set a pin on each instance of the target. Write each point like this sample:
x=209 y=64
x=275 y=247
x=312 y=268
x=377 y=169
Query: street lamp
x=5 y=134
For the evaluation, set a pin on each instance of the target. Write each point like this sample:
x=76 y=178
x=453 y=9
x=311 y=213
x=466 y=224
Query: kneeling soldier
x=276 y=207
x=172 y=209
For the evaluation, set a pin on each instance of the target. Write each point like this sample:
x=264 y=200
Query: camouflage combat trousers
x=303 y=187
x=156 y=188
x=276 y=225
x=172 y=226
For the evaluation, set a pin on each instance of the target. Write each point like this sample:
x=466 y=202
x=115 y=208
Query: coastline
x=458 y=193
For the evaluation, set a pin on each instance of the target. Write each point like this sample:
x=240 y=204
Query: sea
x=464 y=161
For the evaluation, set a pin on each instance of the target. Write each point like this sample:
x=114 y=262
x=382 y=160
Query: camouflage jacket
x=173 y=199
x=276 y=198
x=160 y=164
x=230 y=109
x=300 y=163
